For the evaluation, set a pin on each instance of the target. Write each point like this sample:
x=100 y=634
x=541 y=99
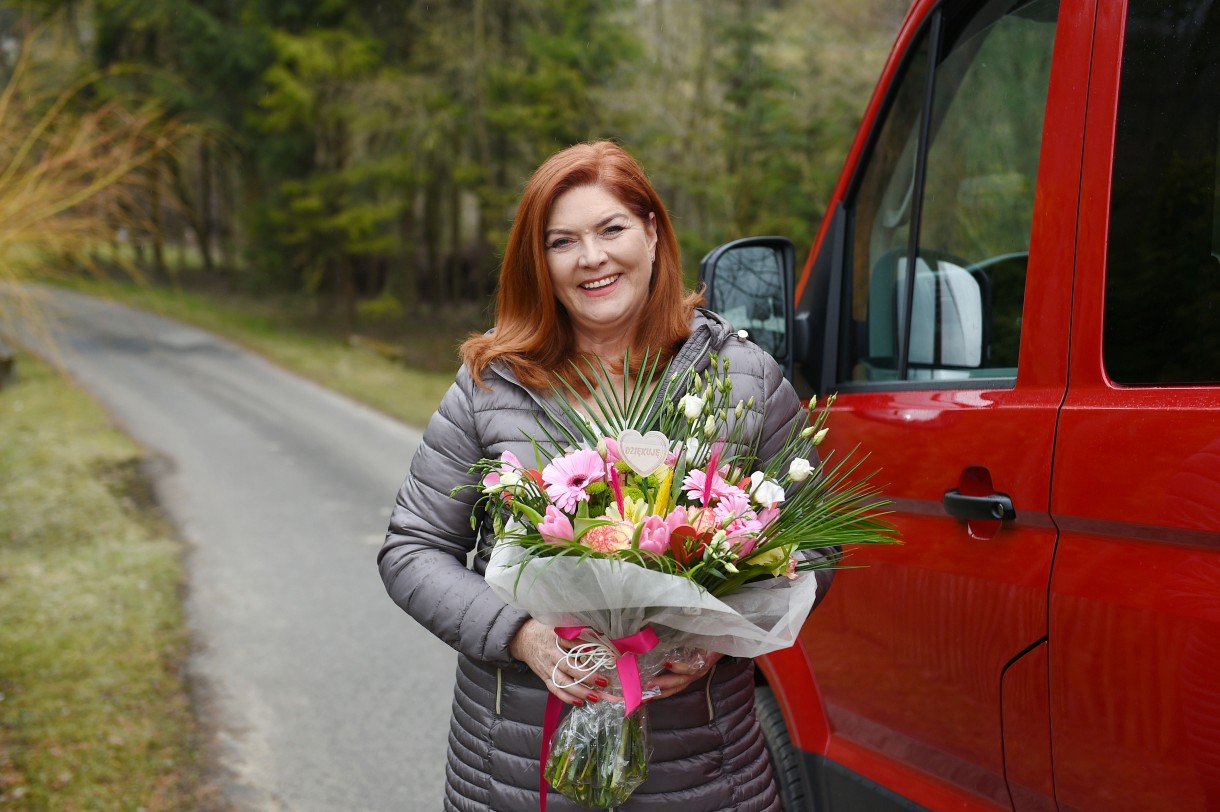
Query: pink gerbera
x=567 y=478
x=734 y=506
x=695 y=484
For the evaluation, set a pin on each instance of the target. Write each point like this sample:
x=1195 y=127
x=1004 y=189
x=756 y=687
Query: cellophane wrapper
x=618 y=598
x=599 y=755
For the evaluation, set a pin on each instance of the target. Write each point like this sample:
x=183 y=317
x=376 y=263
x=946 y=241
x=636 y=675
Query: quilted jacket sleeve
x=781 y=406
x=424 y=559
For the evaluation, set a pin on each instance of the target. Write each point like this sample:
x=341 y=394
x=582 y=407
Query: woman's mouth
x=598 y=284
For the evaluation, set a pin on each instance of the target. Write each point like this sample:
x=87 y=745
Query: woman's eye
x=614 y=231
x=559 y=244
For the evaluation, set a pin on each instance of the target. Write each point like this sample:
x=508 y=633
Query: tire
x=785 y=760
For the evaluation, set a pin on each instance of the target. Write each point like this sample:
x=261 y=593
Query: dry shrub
x=79 y=153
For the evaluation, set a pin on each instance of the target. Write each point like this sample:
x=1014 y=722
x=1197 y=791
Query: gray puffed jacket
x=708 y=750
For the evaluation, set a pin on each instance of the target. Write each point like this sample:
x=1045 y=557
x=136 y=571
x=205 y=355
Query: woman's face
x=600 y=258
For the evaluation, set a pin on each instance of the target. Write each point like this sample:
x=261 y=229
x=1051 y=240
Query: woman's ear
x=650 y=229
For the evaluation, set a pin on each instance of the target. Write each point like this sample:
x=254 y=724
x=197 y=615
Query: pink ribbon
x=628 y=647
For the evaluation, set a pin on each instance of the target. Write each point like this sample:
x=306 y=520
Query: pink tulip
x=654 y=535
x=556 y=527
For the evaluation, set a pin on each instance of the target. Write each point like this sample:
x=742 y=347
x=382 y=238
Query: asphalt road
x=324 y=695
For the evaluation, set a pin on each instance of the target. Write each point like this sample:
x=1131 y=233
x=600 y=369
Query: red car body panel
x=1070 y=658
x=1135 y=598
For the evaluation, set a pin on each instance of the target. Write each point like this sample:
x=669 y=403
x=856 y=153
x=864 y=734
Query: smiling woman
x=600 y=257
x=591 y=266
x=591 y=269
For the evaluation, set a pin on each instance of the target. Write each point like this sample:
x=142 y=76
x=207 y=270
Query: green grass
x=287 y=331
x=94 y=710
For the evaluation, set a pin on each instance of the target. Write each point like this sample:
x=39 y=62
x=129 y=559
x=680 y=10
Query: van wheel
x=785 y=760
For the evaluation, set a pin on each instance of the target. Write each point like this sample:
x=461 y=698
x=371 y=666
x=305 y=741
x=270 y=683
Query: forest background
x=345 y=171
x=363 y=158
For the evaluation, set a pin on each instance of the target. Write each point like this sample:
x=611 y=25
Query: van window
x=1162 y=308
x=949 y=192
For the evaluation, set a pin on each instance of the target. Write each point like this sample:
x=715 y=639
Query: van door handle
x=992 y=506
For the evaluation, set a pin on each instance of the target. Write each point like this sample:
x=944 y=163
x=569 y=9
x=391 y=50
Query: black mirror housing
x=750 y=283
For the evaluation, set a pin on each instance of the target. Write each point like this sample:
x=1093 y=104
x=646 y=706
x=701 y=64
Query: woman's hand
x=678 y=676
x=539 y=647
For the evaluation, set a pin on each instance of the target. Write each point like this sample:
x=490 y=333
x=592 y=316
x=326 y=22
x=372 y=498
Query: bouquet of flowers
x=650 y=533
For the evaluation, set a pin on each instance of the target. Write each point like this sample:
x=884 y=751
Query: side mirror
x=750 y=283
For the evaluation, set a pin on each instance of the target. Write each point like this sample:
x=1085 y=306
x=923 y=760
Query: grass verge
x=282 y=330
x=94 y=710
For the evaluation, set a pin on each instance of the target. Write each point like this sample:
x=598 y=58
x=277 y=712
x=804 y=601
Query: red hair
x=534 y=334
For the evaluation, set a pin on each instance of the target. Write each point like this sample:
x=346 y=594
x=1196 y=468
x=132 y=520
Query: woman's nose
x=592 y=255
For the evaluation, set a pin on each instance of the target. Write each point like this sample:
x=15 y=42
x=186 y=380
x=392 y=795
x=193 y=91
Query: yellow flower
x=774 y=559
x=663 y=492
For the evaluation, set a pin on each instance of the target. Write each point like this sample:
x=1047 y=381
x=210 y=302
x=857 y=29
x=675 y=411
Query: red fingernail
x=591 y=697
x=602 y=682
x=668 y=665
x=577 y=703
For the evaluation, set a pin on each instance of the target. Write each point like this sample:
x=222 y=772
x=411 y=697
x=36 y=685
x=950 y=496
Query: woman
x=591 y=269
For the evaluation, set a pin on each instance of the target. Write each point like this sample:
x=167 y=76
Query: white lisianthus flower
x=692 y=406
x=509 y=480
x=765 y=491
x=692 y=450
x=800 y=469
x=709 y=428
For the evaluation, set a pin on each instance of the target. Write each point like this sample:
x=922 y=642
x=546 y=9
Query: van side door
x=1135 y=600
x=955 y=237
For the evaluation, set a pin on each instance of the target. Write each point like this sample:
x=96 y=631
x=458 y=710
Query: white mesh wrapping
x=619 y=598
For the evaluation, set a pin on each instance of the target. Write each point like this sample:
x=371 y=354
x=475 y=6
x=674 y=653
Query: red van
x=1016 y=294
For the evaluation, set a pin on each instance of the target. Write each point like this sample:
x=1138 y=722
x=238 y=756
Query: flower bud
x=820 y=436
x=799 y=470
x=692 y=406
